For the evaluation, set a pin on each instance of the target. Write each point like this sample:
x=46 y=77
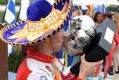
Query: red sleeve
x=23 y=71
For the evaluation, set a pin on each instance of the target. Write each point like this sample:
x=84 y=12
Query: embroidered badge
x=48 y=68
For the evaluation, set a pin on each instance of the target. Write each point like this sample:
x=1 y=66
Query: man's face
x=113 y=18
x=88 y=13
x=57 y=41
x=75 y=13
x=60 y=40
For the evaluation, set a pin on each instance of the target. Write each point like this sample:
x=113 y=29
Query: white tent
x=95 y=2
x=51 y=1
x=83 y=2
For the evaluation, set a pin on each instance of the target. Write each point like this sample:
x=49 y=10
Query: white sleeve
x=39 y=76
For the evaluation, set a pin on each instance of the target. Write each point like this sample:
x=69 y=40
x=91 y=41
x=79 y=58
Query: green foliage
x=112 y=8
x=1 y=16
x=3 y=2
x=13 y=60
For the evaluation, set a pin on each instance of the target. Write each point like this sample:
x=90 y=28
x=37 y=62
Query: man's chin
x=74 y=54
x=58 y=50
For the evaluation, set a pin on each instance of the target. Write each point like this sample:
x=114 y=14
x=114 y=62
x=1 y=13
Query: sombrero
x=43 y=20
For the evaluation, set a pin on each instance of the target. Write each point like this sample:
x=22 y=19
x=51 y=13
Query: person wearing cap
x=43 y=33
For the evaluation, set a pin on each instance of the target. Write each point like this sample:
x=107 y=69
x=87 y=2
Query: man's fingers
x=83 y=57
x=99 y=63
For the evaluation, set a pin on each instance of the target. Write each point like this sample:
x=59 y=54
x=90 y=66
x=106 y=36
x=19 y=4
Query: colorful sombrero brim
x=29 y=32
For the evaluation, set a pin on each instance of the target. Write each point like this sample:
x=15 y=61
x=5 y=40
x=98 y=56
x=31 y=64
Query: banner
x=23 y=10
x=10 y=15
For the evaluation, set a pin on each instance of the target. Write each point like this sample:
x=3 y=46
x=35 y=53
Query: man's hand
x=87 y=68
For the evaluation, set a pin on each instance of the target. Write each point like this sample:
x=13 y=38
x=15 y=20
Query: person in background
x=98 y=18
x=86 y=12
x=107 y=15
x=113 y=18
x=118 y=9
x=116 y=38
x=114 y=66
x=76 y=11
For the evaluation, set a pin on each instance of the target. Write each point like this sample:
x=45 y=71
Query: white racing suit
x=37 y=66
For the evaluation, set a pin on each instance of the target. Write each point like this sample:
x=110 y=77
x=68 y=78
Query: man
x=86 y=12
x=43 y=32
x=76 y=11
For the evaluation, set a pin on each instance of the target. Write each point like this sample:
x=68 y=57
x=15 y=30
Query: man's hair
x=108 y=15
x=84 y=11
x=74 y=8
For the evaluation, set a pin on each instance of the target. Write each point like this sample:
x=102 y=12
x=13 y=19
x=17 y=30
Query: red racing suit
x=37 y=66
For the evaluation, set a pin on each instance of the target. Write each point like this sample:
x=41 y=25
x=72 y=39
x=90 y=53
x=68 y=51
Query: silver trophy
x=79 y=35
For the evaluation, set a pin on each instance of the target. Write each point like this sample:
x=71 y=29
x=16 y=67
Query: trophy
x=94 y=43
